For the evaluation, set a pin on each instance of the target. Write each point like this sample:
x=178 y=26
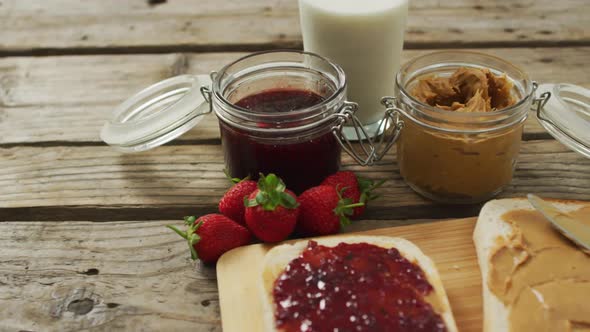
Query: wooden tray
x=448 y=243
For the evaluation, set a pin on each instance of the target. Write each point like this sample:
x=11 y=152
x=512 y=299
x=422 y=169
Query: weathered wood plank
x=74 y=183
x=55 y=100
x=124 y=276
x=53 y=27
x=119 y=276
x=67 y=99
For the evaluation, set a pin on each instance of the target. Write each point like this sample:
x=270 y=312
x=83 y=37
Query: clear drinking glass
x=365 y=38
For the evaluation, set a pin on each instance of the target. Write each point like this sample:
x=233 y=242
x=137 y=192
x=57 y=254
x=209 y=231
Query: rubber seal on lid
x=566 y=115
x=157 y=114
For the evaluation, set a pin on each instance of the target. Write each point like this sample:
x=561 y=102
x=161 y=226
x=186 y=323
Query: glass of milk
x=364 y=37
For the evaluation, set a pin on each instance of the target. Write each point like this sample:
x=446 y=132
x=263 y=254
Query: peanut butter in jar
x=462 y=125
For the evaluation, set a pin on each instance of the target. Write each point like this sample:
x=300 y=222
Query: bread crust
x=488 y=229
x=280 y=256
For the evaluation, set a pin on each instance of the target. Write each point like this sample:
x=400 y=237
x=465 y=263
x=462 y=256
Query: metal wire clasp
x=390 y=127
x=386 y=134
x=207 y=93
x=539 y=103
x=366 y=155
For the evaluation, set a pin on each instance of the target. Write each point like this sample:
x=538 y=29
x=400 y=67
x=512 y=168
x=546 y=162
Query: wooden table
x=83 y=245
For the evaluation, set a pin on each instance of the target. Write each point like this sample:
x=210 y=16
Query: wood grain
x=70 y=26
x=65 y=100
x=448 y=243
x=98 y=183
x=126 y=275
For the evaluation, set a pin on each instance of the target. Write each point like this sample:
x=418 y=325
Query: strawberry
x=231 y=204
x=324 y=211
x=359 y=190
x=271 y=210
x=212 y=235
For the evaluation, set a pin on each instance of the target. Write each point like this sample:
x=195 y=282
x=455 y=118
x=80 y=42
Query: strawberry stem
x=232 y=179
x=190 y=235
x=366 y=186
x=354 y=205
x=178 y=231
x=345 y=208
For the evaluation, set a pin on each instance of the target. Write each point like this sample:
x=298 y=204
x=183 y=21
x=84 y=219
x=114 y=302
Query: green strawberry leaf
x=271 y=181
x=280 y=187
x=271 y=194
x=288 y=201
x=260 y=198
x=190 y=235
x=250 y=202
x=191 y=244
x=366 y=187
x=344 y=221
x=344 y=208
x=232 y=179
x=189 y=220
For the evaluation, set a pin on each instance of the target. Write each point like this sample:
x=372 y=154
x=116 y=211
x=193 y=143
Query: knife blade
x=574 y=230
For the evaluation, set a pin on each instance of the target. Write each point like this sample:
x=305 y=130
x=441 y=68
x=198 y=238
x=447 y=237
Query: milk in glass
x=365 y=37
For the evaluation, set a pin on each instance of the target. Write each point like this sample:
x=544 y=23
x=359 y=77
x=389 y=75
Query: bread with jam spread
x=279 y=257
x=533 y=278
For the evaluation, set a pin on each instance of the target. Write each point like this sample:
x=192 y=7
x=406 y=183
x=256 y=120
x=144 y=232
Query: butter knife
x=574 y=230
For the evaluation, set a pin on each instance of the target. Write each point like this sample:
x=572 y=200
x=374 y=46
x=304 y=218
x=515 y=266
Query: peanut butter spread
x=541 y=276
x=467 y=90
x=454 y=166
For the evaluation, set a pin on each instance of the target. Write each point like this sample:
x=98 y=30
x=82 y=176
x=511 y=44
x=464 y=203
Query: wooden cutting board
x=448 y=243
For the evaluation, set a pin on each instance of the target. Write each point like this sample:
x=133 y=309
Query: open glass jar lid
x=157 y=114
x=566 y=115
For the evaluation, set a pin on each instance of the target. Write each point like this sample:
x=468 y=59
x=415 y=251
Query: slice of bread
x=489 y=227
x=280 y=256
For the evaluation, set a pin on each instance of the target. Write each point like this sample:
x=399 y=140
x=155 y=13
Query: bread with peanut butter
x=533 y=278
x=314 y=285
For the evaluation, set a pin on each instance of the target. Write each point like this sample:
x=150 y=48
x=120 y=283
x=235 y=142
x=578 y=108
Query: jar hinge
x=364 y=157
x=391 y=126
x=207 y=92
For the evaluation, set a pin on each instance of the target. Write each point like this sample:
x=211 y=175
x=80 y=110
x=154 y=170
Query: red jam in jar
x=280 y=100
x=281 y=112
x=301 y=163
x=353 y=287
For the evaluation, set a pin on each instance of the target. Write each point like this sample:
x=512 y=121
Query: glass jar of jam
x=464 y=156
x=277 y=113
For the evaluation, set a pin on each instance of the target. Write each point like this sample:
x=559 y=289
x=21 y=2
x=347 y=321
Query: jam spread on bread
x=353 y=287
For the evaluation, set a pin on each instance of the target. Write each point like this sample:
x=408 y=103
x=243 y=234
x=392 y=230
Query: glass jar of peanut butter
x=463 y=115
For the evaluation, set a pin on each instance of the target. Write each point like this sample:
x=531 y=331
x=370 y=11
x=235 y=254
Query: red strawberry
x=212 y=235
x=271 y=210
x=323 y=211
x=359 y=190
x=231 y=204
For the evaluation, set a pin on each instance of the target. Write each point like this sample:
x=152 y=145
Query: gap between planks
x=297 y=45
x=208 y=141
